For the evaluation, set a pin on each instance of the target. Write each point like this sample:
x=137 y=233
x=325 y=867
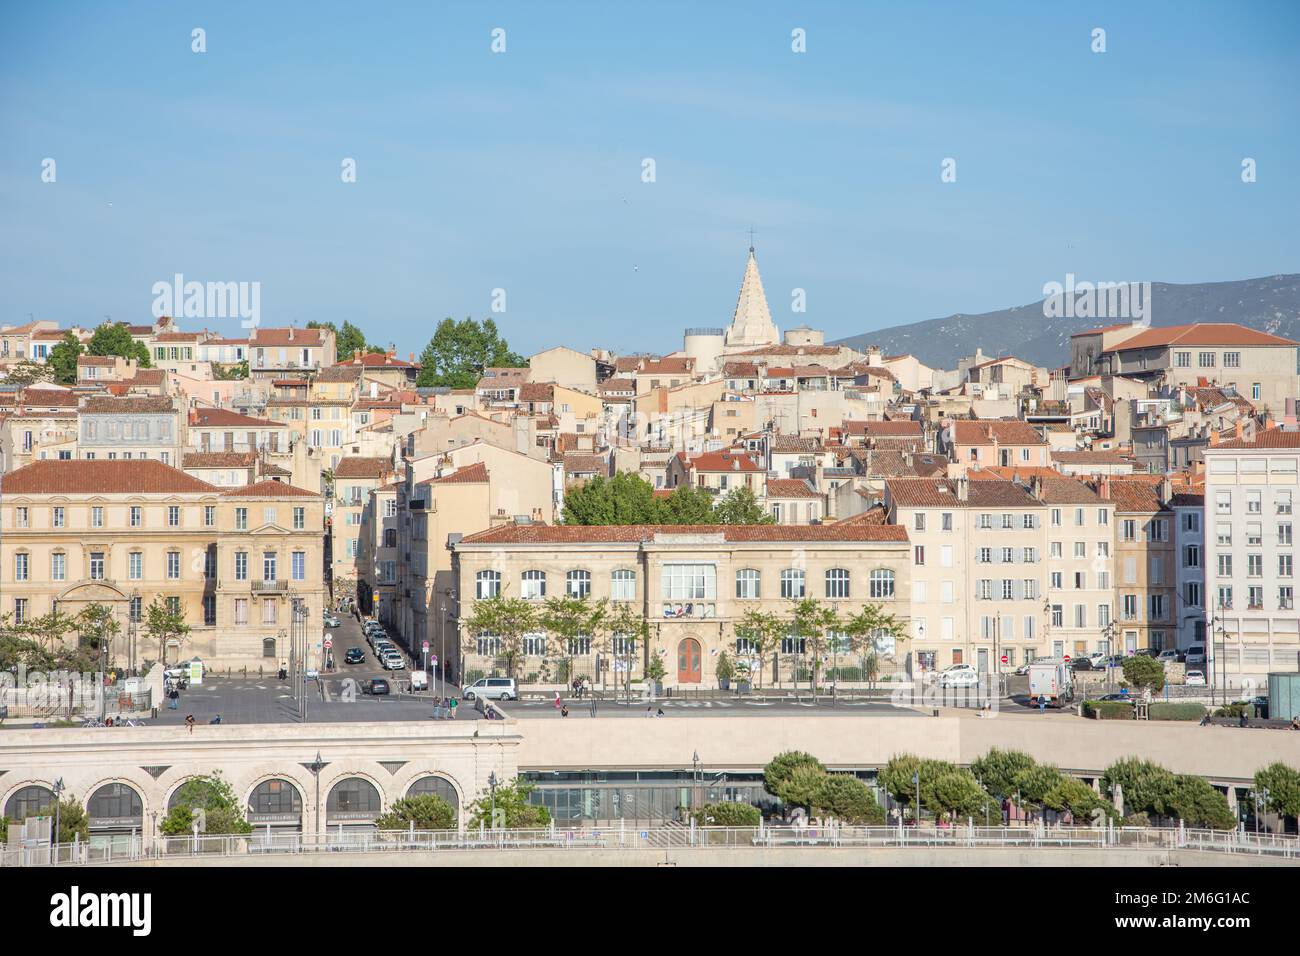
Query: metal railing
x=619 y=836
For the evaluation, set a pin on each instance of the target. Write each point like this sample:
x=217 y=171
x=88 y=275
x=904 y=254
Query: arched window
x=274 y=796
x=622 y=586
x=32 y=801
x=578 y=584
x=487 y=584
x=837 y=583
x=115 y=804
x=268 y=647
x=533 y=587
x=882 y=583
x=354 y=796
x=792 y=583
x=438 y=787
x=747 y=584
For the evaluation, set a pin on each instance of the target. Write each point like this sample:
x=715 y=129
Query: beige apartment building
x=978 y=575
x=1080 y=567
x=1144 y=564
x=377 y=554
x=693 y=584
x=355 y=477
x=123 y=533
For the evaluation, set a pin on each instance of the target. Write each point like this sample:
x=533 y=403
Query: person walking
x=558 y=703
x=452 y=705
x=650 y=711
x=1042 y=703
x=564 y=711
x=189 y=722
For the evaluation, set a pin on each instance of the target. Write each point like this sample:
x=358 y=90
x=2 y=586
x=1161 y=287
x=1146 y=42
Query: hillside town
x=1135 y=499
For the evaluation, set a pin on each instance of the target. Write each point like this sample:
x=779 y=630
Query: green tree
x=506 y=618
x=728 y=814
x=997 y=770
x=427 y=811
x=866 y=630
x=569 y=619
x=63 y=359
x=512 y=807
x=164 y=624
x=1194 y=800
x=17 y=648
x=627 y=498
x=236 y=371
x=741 y=507
x=898 y=775
x=114 y=338
x=1146 y=786
x=459 y=352
x=1073 y=796
x=1283 y=786
x=793 y=777
x=688 y=505
x=1031 y=784
x=764 y=631
x=629 y=625
x=50 y=631
x=848 y=799
x=1142 y=672
x=813 y=621
x=74 y=822
x=216 y=798
x=956 y=793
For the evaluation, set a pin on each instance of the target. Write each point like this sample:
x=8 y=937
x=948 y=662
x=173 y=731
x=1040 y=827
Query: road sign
x=329 y=642
x=1004 y=658
x=425 y=646
x=435 y=660
x=1067 y=658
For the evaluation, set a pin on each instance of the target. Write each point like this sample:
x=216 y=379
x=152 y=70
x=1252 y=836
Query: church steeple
x=752 y=322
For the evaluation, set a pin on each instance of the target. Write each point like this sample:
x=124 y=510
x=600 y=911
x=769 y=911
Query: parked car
x=376 y=686
x=383 y=647
x=1023 y=669
x=959 y=675
x=332 y=621
x=493 y=688
x=355 y=655
x=1169 y=656
x=1098 y=660
x=1195 y=654
x=393 y=662
x=1195 y=679
x=1127 y=697
x=1081 y=664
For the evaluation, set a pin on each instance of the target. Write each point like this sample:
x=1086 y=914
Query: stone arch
x=412 y=774
x=11 y=795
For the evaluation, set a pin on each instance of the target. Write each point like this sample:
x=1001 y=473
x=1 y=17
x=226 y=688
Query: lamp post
x=316 y=766
x=492 y=790
x=916 y=811
x=695 y=774
x=1261 y=796
x=59 y=799
x=442 y=642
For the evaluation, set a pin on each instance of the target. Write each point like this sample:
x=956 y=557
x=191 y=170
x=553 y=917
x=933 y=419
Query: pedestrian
x=173 y=696
x=189 y=722
x=1295 y=723
x=452 y=706
x=650 y=711
x=660 y=712
x=558 y=703
x=564 y=711
x=1242 y=721
x=1042 y=703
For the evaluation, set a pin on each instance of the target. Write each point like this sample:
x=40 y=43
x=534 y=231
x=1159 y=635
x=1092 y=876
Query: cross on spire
x=751 y=238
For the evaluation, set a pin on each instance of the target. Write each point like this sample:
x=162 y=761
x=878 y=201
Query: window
x=1206 y=360
x=241 y=610
x=1254 y=565
x=1159 y=607
x=1103 y=517
x=300 y=517
x=1232 y=360
x=268 y=566
x=173 y=516
x=1255 y=597
x=946 y=521
x=1285 y=598
x=20 y=610
x=984 y=589
x=882 y=583
x=984 y=556
x=487 y=584
x=1058 y=615
x=97 y=565
x=135 y=565
x=747 y=584
x=986 y=521
x=792 y=583
x=1008 y=555
x=1183 y=359
x=1008 y=522
x=919 y=521
x=1225 y=598
x=1008 y=589
x=22 y=563
x=578 y=584
x=20 y=518
x=58 y=567
x=241 y=565
x=535 y=645
x=1081 y=549
x=1027 y=522
x=792 y=645
x=488 y=645
x=1192 y=556
x=268 y=611
x=56 y=518
x=241 y=519
x=1284 y=565
x=173 y=565
x=837 y=583
x=532 y=585
x=298 y=565
x=209 y=610
x=918 y=556
x=1225 y=565
x=1223 y=502
x=1283 y=503
x=137 y=516
x=1130 y=529
x=622 y=585
x=1129 y=607
x=1254 y=502
x=97 y=517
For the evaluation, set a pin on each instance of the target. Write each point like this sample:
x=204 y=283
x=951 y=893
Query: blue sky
x=522 y=170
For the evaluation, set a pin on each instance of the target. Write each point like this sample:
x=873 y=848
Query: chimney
x=356 y=355
x=819 y=476
x=1104 y=489
x=963 y=488
x=1238 y=427
x=1166 y=490
x=291 y=333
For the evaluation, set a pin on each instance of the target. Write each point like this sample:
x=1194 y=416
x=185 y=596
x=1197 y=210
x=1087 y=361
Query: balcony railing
x=270 y=587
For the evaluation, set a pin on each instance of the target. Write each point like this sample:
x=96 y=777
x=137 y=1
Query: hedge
x=1108 y=710
x=727 y=815
x=1159 y=710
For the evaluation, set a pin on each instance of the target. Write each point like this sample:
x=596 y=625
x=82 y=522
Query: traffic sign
x=435 y=660
x=426 y=647
x=1067 y=658
x=329 y=642
x=1004 y=658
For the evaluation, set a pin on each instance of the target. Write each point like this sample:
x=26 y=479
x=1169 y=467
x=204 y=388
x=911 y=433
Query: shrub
x=793 y=777
x=1108 y=710
x=1163 y=711
x=727 y=815
x=1236 y=709
x=427 y=811
x=848 y=799
x=1142 y=671
x=1137 y=820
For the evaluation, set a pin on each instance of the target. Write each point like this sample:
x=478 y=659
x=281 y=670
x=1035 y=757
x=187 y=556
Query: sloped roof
x=1005 y=431
x=1200 y=333
x=269 y=489
x=613 y=534
x=74 y=477
x=790 y=488
x=219 y=459
x=360 y=466
x=1272 y=438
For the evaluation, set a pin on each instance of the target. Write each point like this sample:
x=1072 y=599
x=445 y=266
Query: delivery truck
x=1051 y=678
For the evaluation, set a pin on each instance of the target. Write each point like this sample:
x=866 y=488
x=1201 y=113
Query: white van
x=1195 y=654
x=493 y=688
x=419 y=680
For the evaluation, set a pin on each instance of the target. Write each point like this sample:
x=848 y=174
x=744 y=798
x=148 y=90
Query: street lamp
x=316 y=766
x=1261 y=796
x=58 y=801
x=695 y=774
x=916 y=811
x=492 y=789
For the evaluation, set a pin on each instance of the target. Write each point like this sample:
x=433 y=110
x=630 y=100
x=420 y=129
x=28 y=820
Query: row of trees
x=109 y=338
x=627 y=498
x=41 y=643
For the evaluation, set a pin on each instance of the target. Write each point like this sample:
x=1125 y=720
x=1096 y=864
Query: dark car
x=1126 y=697
x=376 y=686
x=1081 y=664
x=355 y=655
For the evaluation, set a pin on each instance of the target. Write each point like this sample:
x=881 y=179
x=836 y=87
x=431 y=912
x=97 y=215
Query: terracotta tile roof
x=267 y=468
x=719 y=461
x=790 y=488
x=339 y=373
x=49 y=397
x=1006 y=431
x=72 y=477
x=793 y=444
x=793 y=350
x=665 y=366
x=1201 y=333
x=476 y=473
x=876 y=514
x=739 y=370
x=579 y=464
x=146 y=377
x=378 y=360
x=359 y=466
x=1272 y=438
x=225 y=418
x=618 y=385
x=269 y=489
x=99 y=360
x=1067 y=491
x=1186 y=499
x=942 y=493
x=1105 y=328
x=537 y=392
x=1138 y=496
x=901 y=428
x=219 y=459
x=1103 y=457
x=1011 y=472
x=165 y=337
x=614 y=534
x=126 y=405
x=299 y=338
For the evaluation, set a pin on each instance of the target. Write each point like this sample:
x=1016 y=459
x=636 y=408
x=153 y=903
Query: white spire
x=752 y=322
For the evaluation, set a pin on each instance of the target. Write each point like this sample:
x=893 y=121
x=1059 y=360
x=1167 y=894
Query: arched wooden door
x=689 y=662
